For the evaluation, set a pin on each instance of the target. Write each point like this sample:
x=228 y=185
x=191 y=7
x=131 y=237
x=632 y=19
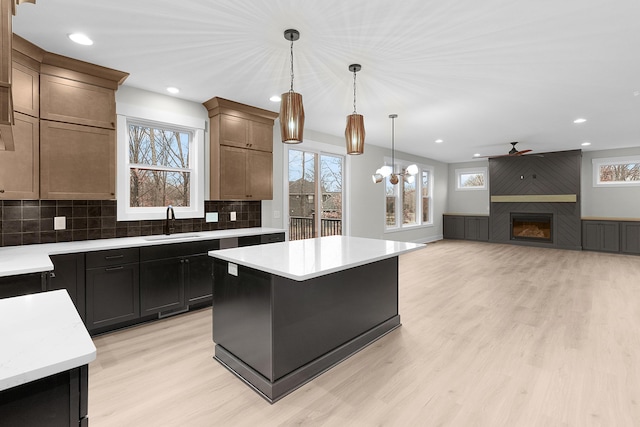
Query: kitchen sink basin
x=164 y=237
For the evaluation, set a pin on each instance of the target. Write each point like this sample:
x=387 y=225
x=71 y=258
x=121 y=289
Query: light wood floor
x=492 y=335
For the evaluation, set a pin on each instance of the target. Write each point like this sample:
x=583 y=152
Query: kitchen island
x=286 y=312
x=44 y=360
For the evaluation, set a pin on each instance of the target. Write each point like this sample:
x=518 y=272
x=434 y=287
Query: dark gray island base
x=276 y=333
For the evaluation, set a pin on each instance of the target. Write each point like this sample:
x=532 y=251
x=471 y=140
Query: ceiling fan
x=512 y=153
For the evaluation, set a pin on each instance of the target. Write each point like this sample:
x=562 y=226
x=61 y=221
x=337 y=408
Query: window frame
x=398 y=202
x=466 y=171
x=598 y=162
x=160 y=119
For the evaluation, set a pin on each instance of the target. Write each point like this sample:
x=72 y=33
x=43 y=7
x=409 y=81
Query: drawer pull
x=114 y=257
x=114 y=268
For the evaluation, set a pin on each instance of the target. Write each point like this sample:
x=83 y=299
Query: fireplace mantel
x=535 y=198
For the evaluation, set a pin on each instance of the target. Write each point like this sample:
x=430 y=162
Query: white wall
x=474 y=202
x=612 y=202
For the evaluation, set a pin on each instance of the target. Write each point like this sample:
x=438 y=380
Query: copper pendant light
x=354 y=132
x=291 y=108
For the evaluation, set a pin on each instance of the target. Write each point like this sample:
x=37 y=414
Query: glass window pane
x=390 y=191
x=409 y=202
x=154 y=188
x=425 y=184
x=331 y=200
x=158 y=147
x=624 y=172
x=425 y=210
x=301 y=184
x=471 y=180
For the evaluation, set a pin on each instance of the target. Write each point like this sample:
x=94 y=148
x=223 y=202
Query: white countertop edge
x=46 y=371
x=42 y=335
x=230 y=255
x=25 y=259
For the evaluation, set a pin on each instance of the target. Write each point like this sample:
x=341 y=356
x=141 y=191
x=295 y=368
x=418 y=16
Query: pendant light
x=291 y=109
x=389 y=171
x=354 y=133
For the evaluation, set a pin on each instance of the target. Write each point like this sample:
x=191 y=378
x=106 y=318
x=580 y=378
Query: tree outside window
x=159 y=164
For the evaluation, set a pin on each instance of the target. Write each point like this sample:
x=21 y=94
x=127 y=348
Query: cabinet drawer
x=112 y=257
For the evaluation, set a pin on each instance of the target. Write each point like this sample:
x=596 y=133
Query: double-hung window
x=409 y=202
x=160 y=163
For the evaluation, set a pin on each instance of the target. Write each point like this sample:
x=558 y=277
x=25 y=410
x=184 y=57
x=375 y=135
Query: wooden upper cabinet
x=77 y=162
x=26 y=90
x=241 y=142
x=19 y=169
x=69 y=101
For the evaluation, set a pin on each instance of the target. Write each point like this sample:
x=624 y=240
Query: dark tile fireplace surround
x=542 y=188
x=26 y=222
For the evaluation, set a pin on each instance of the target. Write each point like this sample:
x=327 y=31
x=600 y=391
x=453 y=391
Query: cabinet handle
x=1 y=191
x=114 y=268
x=114 y=257
x=52 y=275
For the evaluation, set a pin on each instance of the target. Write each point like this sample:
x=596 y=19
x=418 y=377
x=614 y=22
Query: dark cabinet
x=476 y=228
x=175 y=276
x=57 y=400
x=112 y=287
x=68 y=273
x=22 y=284
x=453 y=227
x=630 y=242
x=601 y=236
x=465 y=227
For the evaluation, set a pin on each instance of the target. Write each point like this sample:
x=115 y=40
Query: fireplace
x=532 y=227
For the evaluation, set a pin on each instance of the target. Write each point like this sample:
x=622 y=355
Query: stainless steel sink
x=163 y=237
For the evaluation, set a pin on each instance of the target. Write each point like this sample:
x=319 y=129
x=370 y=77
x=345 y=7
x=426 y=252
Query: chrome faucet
x=171 y=221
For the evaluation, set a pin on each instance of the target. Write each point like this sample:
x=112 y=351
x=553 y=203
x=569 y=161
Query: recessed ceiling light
x=585 y=144
x=275 y=98
x=476 y=155
x=173 y=90
x=81 y=39
x=580 y=120
x=439 y=141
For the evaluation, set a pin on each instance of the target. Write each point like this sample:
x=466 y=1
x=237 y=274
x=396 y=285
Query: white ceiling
x=477 y=74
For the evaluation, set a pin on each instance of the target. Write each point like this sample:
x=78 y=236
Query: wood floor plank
x=492 y=335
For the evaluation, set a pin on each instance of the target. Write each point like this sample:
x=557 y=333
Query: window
x=408 y=203
x=471 y=179
x=616 y=172
x=315 y=185
x=160 y=163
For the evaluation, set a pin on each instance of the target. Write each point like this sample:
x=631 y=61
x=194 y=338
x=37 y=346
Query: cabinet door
x=199 y=278
x=19 y=169
x=161 y=285
x=68 y=273
x=70 y=101
x=631 y=237
x=590 y=235
x=483 y=229
x=259 y=175
x=113 y=295
x=233 y=173
x=26 y=90
x=471 y=228
x=234 y=131
x=610 y=240
x=22 y=284
x=453 y=227
x=77 y=162
x=261 y=136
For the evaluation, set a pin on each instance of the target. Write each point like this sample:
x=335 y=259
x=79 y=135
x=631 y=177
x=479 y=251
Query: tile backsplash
x=27 y=222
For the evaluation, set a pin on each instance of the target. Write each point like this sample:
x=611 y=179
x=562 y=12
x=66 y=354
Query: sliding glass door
x=315 y=194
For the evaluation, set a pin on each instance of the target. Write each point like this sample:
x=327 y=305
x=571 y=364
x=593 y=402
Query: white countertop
x=305 y=259
x=35 y=258
x=41 y=335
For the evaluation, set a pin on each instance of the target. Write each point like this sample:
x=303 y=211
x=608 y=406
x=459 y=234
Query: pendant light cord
x=354 y=92
x=291 y=90
x=393 y=145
